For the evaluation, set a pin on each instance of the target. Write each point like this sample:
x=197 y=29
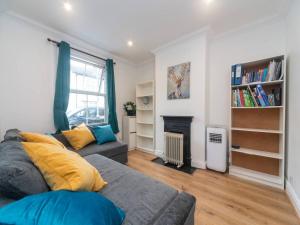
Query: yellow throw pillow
x=64 y=169
x=40 y=138
x=79 y=137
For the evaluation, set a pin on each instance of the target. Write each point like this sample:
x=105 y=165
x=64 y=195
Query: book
x=252 y=97
x=263 y=94
x=242 y=97
x=271 y=74
x=260 y=98
x=238 y=74
x=277 y=96
x=233 y=74
x=271 y=99
x=247 y=100
x=278 y=70
x=238 y=98
x=264 y=76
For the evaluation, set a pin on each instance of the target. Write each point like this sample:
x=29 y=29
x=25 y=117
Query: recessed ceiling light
x=68 y=6
x=130 y=43
x=207 y=2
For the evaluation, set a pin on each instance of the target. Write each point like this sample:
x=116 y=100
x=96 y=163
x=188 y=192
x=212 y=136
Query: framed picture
x=179 y=81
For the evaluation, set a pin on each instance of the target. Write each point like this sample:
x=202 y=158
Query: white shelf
x=257 y=130
x=141 y=109
x=261 y=83
x=258 y=153
x=145 y=95
x=271 y=180
x=145 y=136
x=140 y=122
x=259 y=107
x=145 y=116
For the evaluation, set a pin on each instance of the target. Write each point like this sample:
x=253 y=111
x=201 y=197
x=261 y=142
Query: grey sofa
x=145 y=200
x=116 y=150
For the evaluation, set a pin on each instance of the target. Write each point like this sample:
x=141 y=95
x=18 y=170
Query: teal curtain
x=62 y=88
x=111 y=95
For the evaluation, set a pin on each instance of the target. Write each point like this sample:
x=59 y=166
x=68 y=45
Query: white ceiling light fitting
x=130 y=43
x=208 y=2
x=68 y=7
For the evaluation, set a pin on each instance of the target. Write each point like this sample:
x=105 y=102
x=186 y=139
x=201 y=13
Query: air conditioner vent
x=215 y=138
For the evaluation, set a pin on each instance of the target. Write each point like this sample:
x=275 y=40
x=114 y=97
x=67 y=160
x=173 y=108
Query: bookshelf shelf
x=257 y=128
x=145 y=116
x=258 y=153
x=274 y=82
x=259 y=107
x=275 y=181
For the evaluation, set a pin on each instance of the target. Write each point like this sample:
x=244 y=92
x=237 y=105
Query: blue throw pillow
x=104 y=134
x=62 y=208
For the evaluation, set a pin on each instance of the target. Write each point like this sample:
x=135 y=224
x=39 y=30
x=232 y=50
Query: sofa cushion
x=62 y=207
x=79 y=136
x=13 y=135
x=40 y=138
x=64 y=169
x=142 y=198
x=104 y=134
x=18 y=176
x=108 y=149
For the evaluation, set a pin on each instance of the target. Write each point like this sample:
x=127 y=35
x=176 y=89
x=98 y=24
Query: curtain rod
x=78 y=50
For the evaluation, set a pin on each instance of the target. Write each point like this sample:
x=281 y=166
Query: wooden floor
x=222 y=199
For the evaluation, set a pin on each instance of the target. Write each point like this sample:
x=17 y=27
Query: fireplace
x=181 y=125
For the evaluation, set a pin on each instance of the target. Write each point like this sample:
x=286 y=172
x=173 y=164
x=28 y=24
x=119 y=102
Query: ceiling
x=109 y=24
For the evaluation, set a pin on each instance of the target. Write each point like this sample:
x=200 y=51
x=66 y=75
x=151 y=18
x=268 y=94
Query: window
x=87 y=95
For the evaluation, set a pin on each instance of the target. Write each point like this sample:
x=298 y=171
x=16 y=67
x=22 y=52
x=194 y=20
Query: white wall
x=194 y=51
x=293 y=49
x=28 y=71
x=145 y=71
x=250 y=43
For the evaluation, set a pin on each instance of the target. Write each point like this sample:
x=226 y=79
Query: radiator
x=173 y=148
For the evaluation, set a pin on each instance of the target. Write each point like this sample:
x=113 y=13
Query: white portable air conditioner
x=216 y=149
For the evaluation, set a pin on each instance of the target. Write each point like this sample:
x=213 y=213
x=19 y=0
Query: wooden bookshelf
x=145 y=116
x=259 y=131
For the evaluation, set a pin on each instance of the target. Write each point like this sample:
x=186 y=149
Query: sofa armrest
x=180 y=212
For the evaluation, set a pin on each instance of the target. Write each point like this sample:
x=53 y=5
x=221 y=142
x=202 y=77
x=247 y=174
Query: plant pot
x=131 y=113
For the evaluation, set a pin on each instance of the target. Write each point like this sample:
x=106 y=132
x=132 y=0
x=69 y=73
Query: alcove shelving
x=145 y=116
x=257 y=132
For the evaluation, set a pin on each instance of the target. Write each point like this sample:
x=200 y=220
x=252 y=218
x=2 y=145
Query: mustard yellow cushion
x=64 y=169
x=40 y=138
x=79 y=137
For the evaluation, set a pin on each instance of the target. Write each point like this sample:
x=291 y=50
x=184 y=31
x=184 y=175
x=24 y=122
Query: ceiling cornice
x=203 y=31
x=74 y=41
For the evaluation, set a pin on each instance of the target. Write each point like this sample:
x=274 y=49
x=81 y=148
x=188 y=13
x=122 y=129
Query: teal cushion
x=104 y=134
x=62 y=208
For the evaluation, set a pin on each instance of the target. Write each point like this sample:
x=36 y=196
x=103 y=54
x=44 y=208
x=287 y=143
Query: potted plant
x=130 y=108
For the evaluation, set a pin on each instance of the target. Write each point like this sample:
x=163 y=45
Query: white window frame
x=103 y=79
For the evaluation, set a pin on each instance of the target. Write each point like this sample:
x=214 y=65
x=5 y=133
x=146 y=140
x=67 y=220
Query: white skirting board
x=199 y=164
x=293 y=197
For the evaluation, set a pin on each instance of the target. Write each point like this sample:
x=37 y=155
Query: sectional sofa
x=145 y=200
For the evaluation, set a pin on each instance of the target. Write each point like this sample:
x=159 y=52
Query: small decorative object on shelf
x=146 y=100
x=130 y=108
